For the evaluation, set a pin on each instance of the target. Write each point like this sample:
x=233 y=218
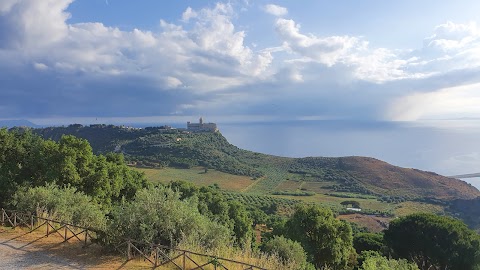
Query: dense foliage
x=26 y=160
x=327 y=241
x=287 y=250
x=434 y=242
x=63 y=204
x=369 y=241
x=65 y=180
x=216 y=206
x=157 y=215
x=382 y=263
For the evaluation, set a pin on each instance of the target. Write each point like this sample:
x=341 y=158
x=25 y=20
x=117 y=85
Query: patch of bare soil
x=373 y=223
x=21 y=249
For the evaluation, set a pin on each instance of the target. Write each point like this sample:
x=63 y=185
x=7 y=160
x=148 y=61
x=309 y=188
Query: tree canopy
x=434 y=242
x=327 y=241
x=27 y=160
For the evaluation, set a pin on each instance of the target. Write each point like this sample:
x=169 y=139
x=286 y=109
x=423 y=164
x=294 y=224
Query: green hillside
x=160 y=147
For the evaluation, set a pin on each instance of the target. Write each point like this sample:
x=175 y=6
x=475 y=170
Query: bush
x=368 y=241
x=382 y=263
x=64 y=204
x=433 y=241
x=286 y=249
x=327 y=241
x=158 y=216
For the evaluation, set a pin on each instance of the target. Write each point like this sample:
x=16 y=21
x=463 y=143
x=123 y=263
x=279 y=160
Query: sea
x=447 y=147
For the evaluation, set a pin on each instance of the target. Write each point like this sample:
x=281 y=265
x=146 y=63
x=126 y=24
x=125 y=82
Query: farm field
x=332 y=201
x=407 y=208
x=245 y=185
x=198 y=176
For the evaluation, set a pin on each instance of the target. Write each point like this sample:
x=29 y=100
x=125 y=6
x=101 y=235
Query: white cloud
x=188 y=14
x=451 y=102
x=209 y=56
x=40 y=66
x=376 y=65
x=35 y=24
x=172 y=82
x=276 y=10
x=205 y=54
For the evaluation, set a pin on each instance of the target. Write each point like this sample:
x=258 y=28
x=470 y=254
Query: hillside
x=159 y=147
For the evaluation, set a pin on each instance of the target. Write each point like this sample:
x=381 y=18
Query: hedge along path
x=158 y=256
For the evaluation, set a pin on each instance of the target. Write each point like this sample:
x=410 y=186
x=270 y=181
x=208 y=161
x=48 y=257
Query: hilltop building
x=202 y=127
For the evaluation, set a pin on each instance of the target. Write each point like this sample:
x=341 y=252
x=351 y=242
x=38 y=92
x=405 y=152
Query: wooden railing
x=66 y=230
x=160 y=255
x=157 y=255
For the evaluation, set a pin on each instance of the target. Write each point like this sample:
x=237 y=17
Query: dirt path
x=15 y=255
x=22 y=250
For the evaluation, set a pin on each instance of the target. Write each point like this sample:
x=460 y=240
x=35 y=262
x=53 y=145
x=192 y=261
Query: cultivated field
x=198 y=176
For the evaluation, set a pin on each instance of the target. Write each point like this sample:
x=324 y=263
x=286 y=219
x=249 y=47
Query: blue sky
x=64 y=61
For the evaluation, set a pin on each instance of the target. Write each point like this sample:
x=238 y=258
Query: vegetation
x=287 y=250
x=355 y=176
x=382 y=263
x=157 y=215
x=65 y=180
x=63 y=204
x=434 y=242
x=364 y=241
x=327 y=241
x=26 y=160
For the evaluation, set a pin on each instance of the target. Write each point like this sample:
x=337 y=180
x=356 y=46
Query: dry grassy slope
x=385 y=178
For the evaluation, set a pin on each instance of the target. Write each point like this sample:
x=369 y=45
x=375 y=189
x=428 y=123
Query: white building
x=202 y=127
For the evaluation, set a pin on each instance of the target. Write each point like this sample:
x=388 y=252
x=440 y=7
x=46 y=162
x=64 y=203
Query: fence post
x=86 y=237
x=47 y=228
x=66 y=233
x=14 y=220
x=129 y=246
x=3 y=217
x=31 y=222
x=184 y=260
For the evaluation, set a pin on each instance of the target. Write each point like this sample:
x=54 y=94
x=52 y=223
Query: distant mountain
x=161 y=146
x=17 y=123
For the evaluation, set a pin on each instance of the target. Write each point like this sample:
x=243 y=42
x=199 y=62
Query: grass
x=327 y=200
x=407 y=208
x=198 y=176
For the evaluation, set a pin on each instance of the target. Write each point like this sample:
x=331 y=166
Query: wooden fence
x=158 y=255
x=66 y=230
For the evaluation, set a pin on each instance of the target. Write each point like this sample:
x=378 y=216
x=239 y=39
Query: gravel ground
x=15 y=254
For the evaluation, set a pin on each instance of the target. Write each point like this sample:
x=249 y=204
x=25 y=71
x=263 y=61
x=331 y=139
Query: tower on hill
x=201 y=126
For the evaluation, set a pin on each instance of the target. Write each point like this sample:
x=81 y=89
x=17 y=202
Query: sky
x=404 y=76
x=65 y=60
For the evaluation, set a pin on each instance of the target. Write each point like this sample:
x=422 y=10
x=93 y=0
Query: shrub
x=158 y=216
x=288 y=250
x=63 y=204
x=382 y=263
